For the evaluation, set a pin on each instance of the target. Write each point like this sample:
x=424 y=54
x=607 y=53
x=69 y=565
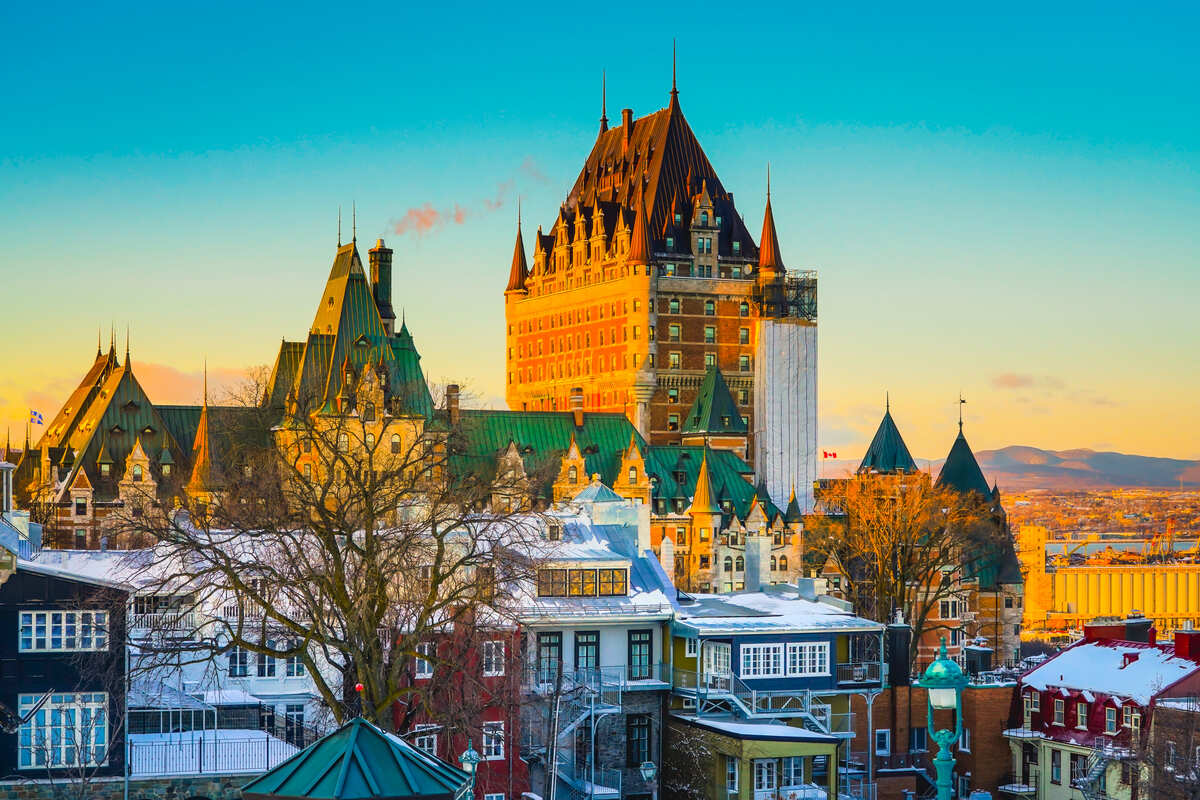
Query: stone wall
x=610 y=739
x=194 y=787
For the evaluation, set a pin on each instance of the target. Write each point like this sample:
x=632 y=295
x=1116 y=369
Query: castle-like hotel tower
x=647 y=277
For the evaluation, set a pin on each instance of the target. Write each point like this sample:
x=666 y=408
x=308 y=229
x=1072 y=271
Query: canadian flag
x=827 y=454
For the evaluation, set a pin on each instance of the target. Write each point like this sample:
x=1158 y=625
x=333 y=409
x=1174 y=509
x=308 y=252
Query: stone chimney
x=6 y=488
x=758 y=557
x=626 y=125
x=380 y=257
x=577 y=405
x=452 y=404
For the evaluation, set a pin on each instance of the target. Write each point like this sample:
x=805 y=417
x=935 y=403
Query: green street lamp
x=470 y=762
x=944 y=682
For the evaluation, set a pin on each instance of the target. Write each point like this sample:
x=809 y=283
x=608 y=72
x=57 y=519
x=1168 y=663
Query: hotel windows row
x=587 y=654
x=576 y=316
x=675 y=361
x=710 y=307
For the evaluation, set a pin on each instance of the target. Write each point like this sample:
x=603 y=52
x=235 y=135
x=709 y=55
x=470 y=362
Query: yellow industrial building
x=1071 y=580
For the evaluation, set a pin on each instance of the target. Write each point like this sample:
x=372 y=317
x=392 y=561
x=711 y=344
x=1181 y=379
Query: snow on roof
x=744 y=729
x=146 y=693
x=776 y=609
x=229 y=697
x=208 y=751
x=1100 y=667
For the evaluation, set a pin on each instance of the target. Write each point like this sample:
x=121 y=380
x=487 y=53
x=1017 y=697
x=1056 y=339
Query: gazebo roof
x=356 y=762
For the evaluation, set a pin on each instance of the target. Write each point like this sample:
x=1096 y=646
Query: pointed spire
x=603 y=101
x=339 y=226
x=770 y=260
x=703 y=501
x=354 y=222
x=674 y=87
x=520 y=268
x=7 y=442
x=126 y=346
x=961 y=403
x=202 y=468
x=98 y=350
x=639 y=242
x=793 y=508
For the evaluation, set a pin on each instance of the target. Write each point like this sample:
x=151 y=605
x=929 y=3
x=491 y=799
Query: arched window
x=395 y=443
x=137 y=472
x=370 y=441
x=343 y=442
x=572 y=474
x=774 y=566
x=368 y=414
x=728 y=564
x=741 y=564
x=633 y=474
x=783 y=563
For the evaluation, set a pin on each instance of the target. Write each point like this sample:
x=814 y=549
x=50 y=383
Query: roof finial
x=126 y=344
x=339 y=226
x=961 y=403
x=518 y=213
x=887 y=402
x=354 y=222
x=206 y=383
x=603 y=101
x=98 y=351
x=674 y=88
x=768 y=180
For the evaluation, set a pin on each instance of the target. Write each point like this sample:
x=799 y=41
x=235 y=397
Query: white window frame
x=762 y=660
x=886 y=749
x=793 y=772
x=964 y=740
x=238 y=657
x=62 y=631
x=425 y=739
x=912 y=743
x=691 y=647
x=424 y=667
x=493 y=741
x=766 y=774
x=493 y=658
x=494 y=796
x=807 y=659
x=732 y=774
x=66 y=725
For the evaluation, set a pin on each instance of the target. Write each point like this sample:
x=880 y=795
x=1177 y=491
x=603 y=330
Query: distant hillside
x=1020 y=468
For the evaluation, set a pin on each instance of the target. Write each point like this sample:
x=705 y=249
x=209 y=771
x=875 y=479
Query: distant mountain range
x=1020 y=468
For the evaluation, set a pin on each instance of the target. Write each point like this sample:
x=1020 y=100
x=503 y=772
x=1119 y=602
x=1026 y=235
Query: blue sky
x=1002 y=203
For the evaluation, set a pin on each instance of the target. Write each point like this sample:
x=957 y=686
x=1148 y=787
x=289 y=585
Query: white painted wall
x=785 y=409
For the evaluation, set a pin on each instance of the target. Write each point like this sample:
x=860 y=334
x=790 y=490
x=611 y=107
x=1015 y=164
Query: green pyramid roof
x=355 y=762
x=888 y=453
x=961 y=471
x=714 y=410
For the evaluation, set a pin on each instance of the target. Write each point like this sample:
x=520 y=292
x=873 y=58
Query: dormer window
x=147 y=429
x=166 y=470
x=116 y=429
x=572 y=474
x=703 y=217
x=105 y=470
x=737 y=247
x=137 y=472
x=678 y=218
x=670 y=242
x=368 y=414
x=718 y=220
x=633 y=474
x=554 y=532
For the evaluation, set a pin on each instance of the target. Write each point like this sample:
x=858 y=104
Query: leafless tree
x=349 y=539
x=688 y=765
x=1167 y=763
x=903 y=543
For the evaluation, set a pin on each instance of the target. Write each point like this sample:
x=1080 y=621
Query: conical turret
x=770 y=260
x=703 y=500
x=520 y=268
x=639 y=241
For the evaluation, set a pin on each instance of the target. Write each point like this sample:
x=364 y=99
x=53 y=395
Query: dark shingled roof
x=714 y=410
x=888 y=453
x=664 y=163
x=961 y=471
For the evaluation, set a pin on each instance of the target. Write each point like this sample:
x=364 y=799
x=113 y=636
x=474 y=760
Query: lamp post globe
x=648 y=769
x=943 y=683
x=470 y=759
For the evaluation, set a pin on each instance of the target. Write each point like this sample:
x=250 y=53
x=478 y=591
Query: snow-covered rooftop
x=781 y=608
x=1101 y=667
x=745 y=729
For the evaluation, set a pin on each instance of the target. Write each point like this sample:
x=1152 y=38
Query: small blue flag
x=35 y=417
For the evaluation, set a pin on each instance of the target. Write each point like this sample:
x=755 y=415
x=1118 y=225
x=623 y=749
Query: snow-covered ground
x=196 y=752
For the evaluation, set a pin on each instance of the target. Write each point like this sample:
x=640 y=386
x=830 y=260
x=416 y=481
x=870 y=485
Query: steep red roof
x=520 y=269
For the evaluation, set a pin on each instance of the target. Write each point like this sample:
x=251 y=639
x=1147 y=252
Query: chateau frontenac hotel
x=646 y=280
x=652 y=346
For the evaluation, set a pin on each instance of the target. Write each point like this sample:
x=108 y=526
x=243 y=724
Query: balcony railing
x=1020 y=785
x=591 y=782
x=170 y=623
x=621 y=676
x=859 y=672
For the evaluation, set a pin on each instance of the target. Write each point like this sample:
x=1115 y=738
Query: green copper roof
x=714 y=410
x=888 y=453
x=283 y=374
x=408 y=382
x=675 y=469
x=961 y=471
x=356 y=762
x=542 y=437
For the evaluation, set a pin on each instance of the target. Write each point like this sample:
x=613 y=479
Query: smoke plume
x=426 y=219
